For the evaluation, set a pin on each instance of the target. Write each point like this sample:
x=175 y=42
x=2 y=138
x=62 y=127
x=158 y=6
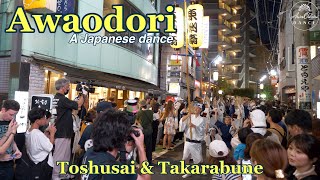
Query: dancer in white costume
x=192 y=145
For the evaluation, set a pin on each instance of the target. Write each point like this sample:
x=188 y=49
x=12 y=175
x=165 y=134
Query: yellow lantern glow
x=178 y=37
x=40 y=6
x=195 y=25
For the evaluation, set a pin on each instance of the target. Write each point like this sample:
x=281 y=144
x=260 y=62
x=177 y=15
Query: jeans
x=6 y=170
x=148 y=144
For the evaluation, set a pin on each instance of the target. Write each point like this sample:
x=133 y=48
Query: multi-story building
x=286 y=57
x=233 y=35
x=33 y=61
x=173 y=68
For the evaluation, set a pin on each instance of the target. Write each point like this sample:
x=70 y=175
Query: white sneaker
x=186 y=176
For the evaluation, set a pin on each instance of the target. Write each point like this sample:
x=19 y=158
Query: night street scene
x=159 y=89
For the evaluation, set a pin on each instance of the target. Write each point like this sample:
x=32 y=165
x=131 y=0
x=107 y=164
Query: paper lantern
x=40 y=6
x=178 y=37
x=195 y=25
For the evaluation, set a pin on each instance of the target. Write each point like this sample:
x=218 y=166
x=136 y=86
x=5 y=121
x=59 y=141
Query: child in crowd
x=219 y=151
x=251 y=138
x=239 y=150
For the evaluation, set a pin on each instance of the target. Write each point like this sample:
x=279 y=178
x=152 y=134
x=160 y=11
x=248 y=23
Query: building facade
x=233 y=36
x=33 y=61
x=286 y=58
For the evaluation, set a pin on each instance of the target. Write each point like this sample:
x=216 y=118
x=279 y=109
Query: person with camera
x=64 y=124
x=113 y=132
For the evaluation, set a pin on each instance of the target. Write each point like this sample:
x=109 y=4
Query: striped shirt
x=226 y=176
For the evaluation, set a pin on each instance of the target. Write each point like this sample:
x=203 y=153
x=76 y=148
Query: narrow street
x=173 y=157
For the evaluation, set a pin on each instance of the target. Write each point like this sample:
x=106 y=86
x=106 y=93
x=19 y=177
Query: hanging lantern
x=178 y=37
x=195 y=25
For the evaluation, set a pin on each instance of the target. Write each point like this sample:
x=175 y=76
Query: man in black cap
x=101 y=107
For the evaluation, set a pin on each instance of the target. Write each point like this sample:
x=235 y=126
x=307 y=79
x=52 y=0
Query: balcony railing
x=225 y=6
x=237 y=3
x=225 y=22
x=224 y=39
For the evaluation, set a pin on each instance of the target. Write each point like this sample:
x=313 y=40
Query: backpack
x=284 y=141
x=26 y=169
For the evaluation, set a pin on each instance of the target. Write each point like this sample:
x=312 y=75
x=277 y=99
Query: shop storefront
x=103 y=90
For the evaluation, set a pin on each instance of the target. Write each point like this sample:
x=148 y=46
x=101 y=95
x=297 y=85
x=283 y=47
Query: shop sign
x=174 y=74
x=175 y=63
x=44 y=101
x=174 y=88
x=206 y=30
x=66 y=6
x=303 y=77
x=22 y=97
x=121 y=87
x=314 y=35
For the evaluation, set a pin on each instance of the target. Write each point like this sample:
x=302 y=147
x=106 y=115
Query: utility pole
x=19 y=71
x=302 y=52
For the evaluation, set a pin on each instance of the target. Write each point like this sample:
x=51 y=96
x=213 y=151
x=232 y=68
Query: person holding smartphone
x=8 y=148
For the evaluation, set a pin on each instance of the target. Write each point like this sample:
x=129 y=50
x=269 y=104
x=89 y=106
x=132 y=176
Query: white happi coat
x=193 y=150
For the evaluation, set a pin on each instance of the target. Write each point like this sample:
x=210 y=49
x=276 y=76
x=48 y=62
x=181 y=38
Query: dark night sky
x=268 y=11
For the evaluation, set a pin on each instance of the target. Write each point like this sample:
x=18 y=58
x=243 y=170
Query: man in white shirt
x=192 y=146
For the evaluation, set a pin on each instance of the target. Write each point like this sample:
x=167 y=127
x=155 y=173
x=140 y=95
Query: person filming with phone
x=8 y=129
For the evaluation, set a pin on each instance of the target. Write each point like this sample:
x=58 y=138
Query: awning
x=102 y=79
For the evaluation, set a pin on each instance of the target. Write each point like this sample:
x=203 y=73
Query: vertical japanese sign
x=66 y=6
x=22 y=97
x=206 y=34
x=303 y=87
x=195 y=25
x=178 y=37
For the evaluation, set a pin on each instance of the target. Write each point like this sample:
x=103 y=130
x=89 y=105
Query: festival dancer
x=194 y=137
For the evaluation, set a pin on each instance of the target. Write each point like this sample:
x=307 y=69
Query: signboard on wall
x=66 y=6
x=303 y=77
x=175 y=63
x=22 y=97
x=43 y=101
x=206 y=29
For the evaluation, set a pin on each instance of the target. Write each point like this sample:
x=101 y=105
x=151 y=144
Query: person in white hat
x=192 y=146
x=219 y=151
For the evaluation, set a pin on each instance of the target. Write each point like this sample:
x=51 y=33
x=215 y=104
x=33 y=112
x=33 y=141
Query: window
x=144 y=50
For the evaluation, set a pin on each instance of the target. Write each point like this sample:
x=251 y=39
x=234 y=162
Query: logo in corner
x=304 y=13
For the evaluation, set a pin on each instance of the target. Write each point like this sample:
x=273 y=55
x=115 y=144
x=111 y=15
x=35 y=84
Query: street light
x=261 y=86
x=220 y=92
x=263 y=78
x=216 y=61
x=273 y=72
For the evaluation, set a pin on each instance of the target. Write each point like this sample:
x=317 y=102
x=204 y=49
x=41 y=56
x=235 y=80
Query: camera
x=85 y=86
x=135 y=132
